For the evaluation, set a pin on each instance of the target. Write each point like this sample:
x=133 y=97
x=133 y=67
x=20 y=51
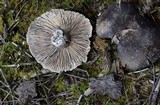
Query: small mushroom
x=105 y=85
x=137 y=37
x=59 y=39
x=26 y=91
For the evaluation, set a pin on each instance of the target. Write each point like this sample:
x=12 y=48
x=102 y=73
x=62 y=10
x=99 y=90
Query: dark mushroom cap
x=114 y=19
x=59 y=40
x=137 y=37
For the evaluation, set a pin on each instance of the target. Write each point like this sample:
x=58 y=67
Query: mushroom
x=107 y=84
x=59 y=39
x=136 y=37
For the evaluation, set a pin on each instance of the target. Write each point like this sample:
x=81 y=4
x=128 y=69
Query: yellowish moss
x=1 y=25
x=16 y=38
x=60 y=85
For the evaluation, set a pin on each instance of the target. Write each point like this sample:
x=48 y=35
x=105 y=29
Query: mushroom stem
x=88 y=92
x=58 y=38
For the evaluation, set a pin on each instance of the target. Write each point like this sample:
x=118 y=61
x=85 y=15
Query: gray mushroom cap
x=114 y=19
x=59 y=39
x=137 y=37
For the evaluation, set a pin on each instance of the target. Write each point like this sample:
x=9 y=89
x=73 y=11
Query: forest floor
x=19 y=70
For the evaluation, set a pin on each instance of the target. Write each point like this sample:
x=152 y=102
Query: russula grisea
x=137 y=37
x=59 y=39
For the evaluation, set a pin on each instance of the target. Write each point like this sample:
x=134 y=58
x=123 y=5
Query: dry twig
x=8 y=87
x=155 y=92
x=142 y=70
x=21 y=64
x=79 y=99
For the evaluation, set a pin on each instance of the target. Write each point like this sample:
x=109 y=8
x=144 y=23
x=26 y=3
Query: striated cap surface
x=59 y=39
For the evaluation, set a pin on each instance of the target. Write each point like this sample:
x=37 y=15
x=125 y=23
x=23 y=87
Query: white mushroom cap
x=59 y=39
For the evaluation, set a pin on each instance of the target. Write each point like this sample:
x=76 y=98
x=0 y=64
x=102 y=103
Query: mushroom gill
x=59 y=39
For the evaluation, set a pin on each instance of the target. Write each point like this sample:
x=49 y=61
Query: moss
x=105 y=72
x=62 y=102
x=109 y=2
x=1 y=25
x=60 y=86
x=26 y=75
